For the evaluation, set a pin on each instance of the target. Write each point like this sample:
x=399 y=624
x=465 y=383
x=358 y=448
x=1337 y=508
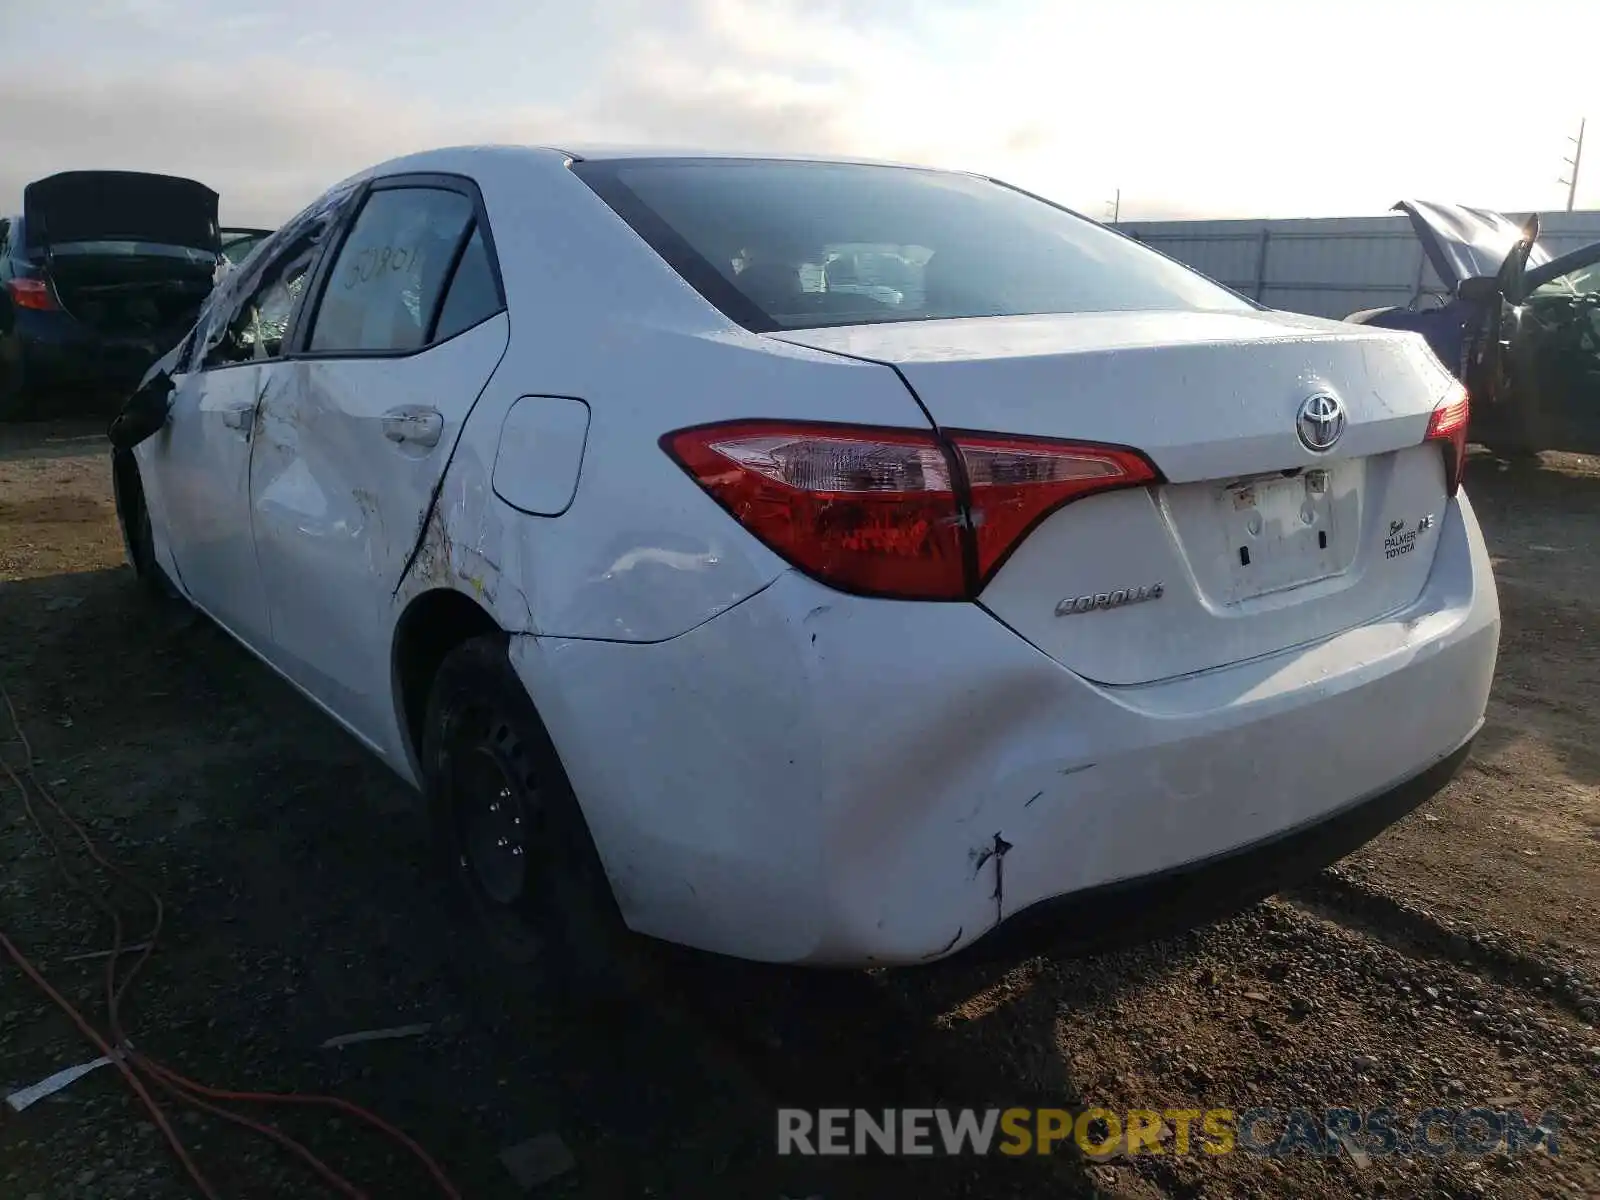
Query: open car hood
x=130 y=206
x=1464 y=243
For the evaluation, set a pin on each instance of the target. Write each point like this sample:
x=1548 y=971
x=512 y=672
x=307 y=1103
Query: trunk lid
x=122 y=206
x=1257 y=543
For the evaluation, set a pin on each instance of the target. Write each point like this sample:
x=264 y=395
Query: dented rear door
x=408 y=328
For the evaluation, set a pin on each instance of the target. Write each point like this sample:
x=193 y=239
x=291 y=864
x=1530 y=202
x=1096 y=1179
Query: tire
x=510 y=834
x=133 y=518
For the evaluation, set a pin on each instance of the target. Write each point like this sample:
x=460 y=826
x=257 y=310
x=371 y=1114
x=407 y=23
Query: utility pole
x=1116 y=207
x=1575 y=162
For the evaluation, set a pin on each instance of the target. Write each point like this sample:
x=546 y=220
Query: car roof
x=602 y=153
x=456 y=158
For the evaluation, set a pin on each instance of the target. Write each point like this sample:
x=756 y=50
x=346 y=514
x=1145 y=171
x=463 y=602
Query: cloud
x=1071 y=100
x=664 y=99
x=269 y=133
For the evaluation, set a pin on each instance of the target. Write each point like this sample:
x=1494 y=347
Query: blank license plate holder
x=1280 y=532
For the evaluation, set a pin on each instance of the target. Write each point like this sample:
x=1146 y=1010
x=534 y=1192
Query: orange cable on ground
x=170 y=1081
x=117 y=1057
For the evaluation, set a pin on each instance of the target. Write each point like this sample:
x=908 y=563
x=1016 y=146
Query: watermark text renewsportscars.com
x=1100 y=1132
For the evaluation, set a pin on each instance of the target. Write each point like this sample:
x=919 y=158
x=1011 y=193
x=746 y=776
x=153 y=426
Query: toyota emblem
x=1320 y=422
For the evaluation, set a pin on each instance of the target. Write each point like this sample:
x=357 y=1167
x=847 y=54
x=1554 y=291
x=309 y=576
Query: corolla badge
x=1320 y=422
x=1099 y=601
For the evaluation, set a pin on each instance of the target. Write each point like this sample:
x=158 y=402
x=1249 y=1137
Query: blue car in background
x=100 y=274
x=1521 y=329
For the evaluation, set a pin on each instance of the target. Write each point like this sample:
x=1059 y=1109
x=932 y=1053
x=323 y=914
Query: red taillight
x=1016 y=482
x=894 y=512
x=864 y=510
x=1448 y=424
x=31 y=293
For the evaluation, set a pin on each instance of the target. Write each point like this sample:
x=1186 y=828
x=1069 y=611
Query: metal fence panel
x=1327 y=266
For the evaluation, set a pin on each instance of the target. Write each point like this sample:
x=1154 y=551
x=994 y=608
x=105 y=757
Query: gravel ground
x=1452 y=962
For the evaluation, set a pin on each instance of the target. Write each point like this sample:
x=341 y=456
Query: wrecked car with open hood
x=101 y=273
x=1521 y=328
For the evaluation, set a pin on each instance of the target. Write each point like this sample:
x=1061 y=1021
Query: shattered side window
x=251 y=308
x=277 y=304
x=255 y=327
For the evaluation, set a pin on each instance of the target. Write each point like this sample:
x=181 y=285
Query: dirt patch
x=1452 y=962
x=1514 y=843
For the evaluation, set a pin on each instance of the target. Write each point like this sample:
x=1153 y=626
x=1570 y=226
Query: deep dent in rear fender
x=971 y=724
x=956 y=722
x=974 y=723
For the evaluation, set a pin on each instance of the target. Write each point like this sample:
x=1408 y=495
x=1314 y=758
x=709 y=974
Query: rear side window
x=787 y=245
x=473 y=296
x=390 y=275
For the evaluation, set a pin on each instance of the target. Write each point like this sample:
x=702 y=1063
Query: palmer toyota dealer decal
x=1401 y=540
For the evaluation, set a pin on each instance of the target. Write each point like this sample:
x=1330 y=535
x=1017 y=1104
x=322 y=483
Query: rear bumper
x=1197 y=893
x=816 y=778
x=57 y=353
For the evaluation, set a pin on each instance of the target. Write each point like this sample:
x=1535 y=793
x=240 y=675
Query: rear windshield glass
x=793 y=245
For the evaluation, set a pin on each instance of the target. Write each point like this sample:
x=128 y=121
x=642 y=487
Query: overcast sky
x=1230 y=108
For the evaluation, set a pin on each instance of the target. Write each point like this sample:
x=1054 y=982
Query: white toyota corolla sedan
x=816 y=561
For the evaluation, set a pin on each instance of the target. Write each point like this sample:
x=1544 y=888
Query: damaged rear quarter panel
x=612 y=565
x=641 y=553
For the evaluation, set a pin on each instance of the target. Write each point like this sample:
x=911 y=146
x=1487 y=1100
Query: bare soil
x=1454 y=961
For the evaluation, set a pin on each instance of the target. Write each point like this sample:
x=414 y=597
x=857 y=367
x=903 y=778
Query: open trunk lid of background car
x=1252 y=543
x=132 y=206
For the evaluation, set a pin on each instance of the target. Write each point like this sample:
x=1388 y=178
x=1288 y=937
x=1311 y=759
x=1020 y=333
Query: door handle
x=239 y=418
x=413 y=425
